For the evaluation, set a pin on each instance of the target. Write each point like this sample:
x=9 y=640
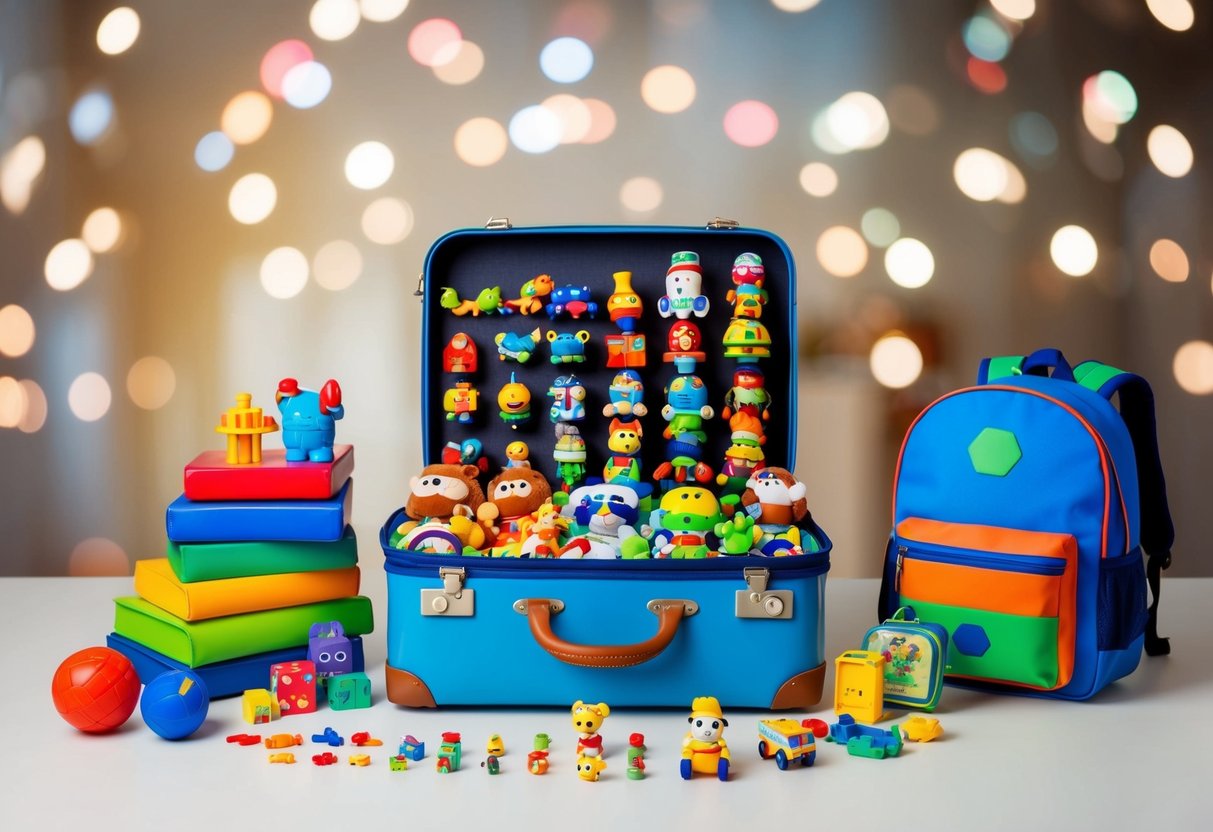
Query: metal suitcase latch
x=453 y=599
x=756 y=601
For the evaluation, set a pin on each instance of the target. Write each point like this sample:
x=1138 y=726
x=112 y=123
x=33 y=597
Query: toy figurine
x=742 y=460
x=308 y=420
x=625 y=350
x=588 y=719
x=412 y=748
x=460 y=354
x=623 y=442
x=517 y=347
x=747 y=271
x=608 y=514
x=682 y=521
x=704 y=750
x=530 y=297
x=540 y=534
x=537 y=761
x=514 y=403
x=686 y=407
x=624 y=305
x=568 y=399
x=738 y=535
x=684 y=341
x=684 y=461
x=627 y=395
x=568 y=347
x=572 y=300
x=776 y=500
x=491 y=765
x=747 y=393
x=746 y=338
x=450 y=753
x=495 y=746
x=683 y=287
x=461 y=403
x=570 y=455
x=588 y=768
x=329 y=649
x=514 y=494
x=244 y=425
x=487 y=302
x=467 y=452
x=516 y=455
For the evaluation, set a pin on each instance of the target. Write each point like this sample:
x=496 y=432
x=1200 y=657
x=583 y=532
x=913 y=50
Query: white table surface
x=1138 y=756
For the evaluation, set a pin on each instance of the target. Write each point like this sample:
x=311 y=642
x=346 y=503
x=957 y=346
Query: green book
x=214 y=561
x=235 y=636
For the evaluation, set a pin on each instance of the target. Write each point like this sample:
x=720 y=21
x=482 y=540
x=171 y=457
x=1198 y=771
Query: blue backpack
x=1021 y=508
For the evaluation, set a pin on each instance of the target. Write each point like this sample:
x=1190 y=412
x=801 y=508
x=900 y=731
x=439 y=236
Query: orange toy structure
x=243 y=425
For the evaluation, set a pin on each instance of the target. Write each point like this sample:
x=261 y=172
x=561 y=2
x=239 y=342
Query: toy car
x=787 y=741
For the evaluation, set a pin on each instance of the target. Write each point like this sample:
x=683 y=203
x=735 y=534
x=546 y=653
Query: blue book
x=229 y=678
x=189 y=521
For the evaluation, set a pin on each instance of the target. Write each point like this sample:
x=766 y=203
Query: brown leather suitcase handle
x=539 y=616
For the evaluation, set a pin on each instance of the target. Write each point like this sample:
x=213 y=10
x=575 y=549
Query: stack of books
x=257 y=553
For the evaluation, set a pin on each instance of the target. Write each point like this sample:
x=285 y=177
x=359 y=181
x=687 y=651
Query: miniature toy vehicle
x=573 y=300
x=787 y=741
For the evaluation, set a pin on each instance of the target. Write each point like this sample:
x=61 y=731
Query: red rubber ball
x=95 y=689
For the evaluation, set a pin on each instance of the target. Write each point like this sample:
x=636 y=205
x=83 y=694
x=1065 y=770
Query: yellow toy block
x=859 y=685
x=260 y=707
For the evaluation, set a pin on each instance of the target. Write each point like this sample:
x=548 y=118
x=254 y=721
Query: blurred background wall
x=191 y=209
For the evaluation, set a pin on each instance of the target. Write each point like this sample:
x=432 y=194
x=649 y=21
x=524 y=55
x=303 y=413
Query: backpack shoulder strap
x=1043 y=362
x=1157 y=529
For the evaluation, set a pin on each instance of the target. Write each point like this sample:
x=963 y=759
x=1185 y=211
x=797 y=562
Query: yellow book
x=156 y=583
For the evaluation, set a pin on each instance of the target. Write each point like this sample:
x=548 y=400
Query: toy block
x=349 y=691
x=321 y=519
x=398 y=763
x=293 y=685
x=328 y=648
x=211 y=477
x=259 y=707
x=243 y=425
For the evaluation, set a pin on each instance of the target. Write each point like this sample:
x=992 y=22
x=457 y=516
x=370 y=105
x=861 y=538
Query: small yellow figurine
x=704 y=750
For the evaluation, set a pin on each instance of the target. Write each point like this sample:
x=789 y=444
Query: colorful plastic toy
x=329 y=650
x=259 y=707
x=517 y=455
x=398 y=762
x=245 y=739
x=326 y=758
x=537 y=762
x=450 y=753
x=859 y=685
x=742 y=459
x=349 y=691
x=626 y=395
x=573 y=301
x=174 y=704
x=748 y=394
x=624 y=305
x=491 y=764
x=682 y=522
x=517 y=346
x=514 y=403
x=747 y=271
x=864 y=740
x=607 y=514
x=704 y=750
x=636 y=747
x=568 y=399
x=922 y=729
x=460 y=354
x=590 y=768
x=293 y=685
x=686 y=407
x=570 y=455
x=623 y=442
x=531 y=297
x=818 y=726
x=329 y=737
x=467 y=452
x=364 y=738
x=412 y=748
x=738 y=535
x=541 y=742
x=487 y=302
x=95 y=689
x=625 y=350
x=568 y=347
x=361 y=760
x=495 y=746
x=683 y=286
x=283 y=740
x=588 y=719
x=787 y=741
x=684 y=343
x=461 y=403
x=636 y=767
x=283 y=757
x=244 y=425
x=746 y=338
x=309 y=420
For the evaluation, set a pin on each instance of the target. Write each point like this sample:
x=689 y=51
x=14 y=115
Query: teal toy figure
x=308 y=419
x=682 y=522
x=517 y=346
x=514 y=401
x=686 y=407
x=568 y=347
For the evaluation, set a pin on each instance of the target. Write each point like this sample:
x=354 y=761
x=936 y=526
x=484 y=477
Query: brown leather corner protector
x=405 y=689
x=801 y=692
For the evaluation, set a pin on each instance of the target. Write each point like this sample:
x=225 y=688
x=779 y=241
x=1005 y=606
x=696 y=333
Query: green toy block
x=994 y=452
x=349 y=691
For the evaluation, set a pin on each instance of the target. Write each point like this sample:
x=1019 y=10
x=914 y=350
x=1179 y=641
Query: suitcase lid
x=470 y=260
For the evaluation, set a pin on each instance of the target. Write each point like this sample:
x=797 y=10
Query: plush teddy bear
x=446 y=495
x=515 y=493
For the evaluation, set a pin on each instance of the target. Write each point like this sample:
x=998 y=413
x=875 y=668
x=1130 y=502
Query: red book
x=211 y=477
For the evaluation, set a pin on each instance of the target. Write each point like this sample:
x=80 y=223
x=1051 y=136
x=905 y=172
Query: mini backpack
x=1021 y=509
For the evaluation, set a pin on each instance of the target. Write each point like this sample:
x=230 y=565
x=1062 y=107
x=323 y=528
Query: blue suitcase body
x=507 y=631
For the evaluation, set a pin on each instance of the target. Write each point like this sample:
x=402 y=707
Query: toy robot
x=308 y=420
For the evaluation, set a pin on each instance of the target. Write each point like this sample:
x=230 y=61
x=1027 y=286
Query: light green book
x=214 y=561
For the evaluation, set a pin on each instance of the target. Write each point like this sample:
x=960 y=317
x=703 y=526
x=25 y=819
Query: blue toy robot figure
x=308 y=420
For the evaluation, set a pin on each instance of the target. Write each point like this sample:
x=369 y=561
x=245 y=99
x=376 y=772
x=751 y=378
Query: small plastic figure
x=747 y=271
x=704 y=750
x=283 y=757
x=537 y=761
x=516 y=455
x=328 y=758
x=244 y=425
x=467 y=452
x=685 y=342
x=787 y=741
x=686 y=407
x=329 y=649
x=517 y=346
x=460 y=354
x=588 y=719
x=922 y=729
x=683 y=286
x=329 y=737
x=625 y=350
x=283 y=740
x=412 y=748
x=624 y=305
x=361 y=760
x=682 y=522
x=623 y=441
x=568 y=347
x=461 y=403
x=568 y=399
x=748 y=394
x=626 y=395
x=398 y=762
x=308 y=419
x=450 y=753
x=514 y=402
x=571 y=300
x=589 y=768
x=774 y=497
x=487 y=302
x=743 y=458
x=738 y=535
x=491 y=765
x=495 y=746
x=531 y=297
x=746 y=338
x=570 y=455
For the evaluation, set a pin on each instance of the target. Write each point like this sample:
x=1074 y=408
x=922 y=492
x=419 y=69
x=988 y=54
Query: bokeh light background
x=201 y=198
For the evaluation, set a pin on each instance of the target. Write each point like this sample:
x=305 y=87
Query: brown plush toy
x=514 y=493
x=774 y=497
x=441 y=492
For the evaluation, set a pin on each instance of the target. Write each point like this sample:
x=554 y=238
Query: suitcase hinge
x=499 y=224
x=419 y=292
x=756 y=601
x=720 y=223
x=453 y=599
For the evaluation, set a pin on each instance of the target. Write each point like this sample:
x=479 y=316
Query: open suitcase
x=464 y=630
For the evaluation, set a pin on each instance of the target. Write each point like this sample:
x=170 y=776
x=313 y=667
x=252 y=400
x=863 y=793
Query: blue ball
x=175 y=703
